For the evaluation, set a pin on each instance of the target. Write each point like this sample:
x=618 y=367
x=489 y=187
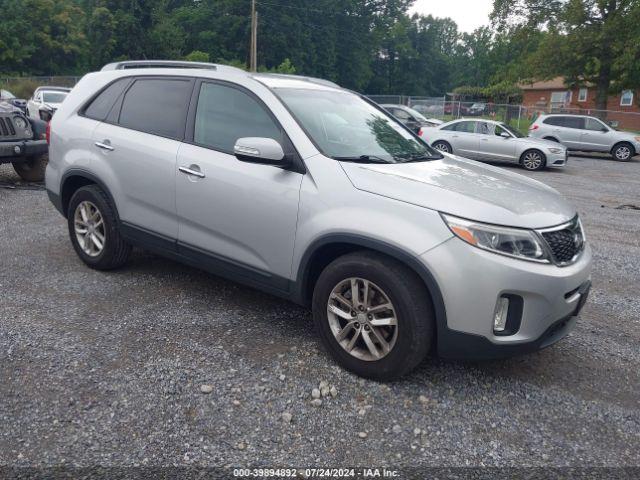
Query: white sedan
x=45 y=101
x=488 y=140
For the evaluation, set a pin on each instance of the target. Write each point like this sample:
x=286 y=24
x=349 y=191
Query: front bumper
x=21 y=150
x=555 y=160
x=471 y=281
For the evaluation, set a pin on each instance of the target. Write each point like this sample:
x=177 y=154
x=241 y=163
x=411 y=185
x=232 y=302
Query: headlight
x=513 y=242
x=20 y=122
x=556 y=150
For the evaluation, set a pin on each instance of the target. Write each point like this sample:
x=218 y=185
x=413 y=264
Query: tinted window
x=574 y=122
x=226 y=114
x=101 y=105
x=556 y=121
x=156 y=106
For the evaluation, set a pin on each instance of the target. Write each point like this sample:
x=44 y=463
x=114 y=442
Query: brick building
x=554 y=96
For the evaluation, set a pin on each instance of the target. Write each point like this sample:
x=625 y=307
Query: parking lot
x=107 y=368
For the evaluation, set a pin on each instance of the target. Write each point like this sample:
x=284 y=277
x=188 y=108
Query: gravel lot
x=108 y=368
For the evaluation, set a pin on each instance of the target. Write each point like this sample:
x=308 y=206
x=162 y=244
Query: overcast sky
x=468 y=14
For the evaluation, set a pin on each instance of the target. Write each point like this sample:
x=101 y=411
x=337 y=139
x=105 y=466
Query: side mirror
x=604 y=129
x=505 y=135
x=266 y=151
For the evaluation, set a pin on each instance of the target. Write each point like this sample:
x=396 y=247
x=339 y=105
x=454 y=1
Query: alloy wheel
x=532 y=161
x=89 y=228
x=623 y=153
x=442 y=147
x=362 y=319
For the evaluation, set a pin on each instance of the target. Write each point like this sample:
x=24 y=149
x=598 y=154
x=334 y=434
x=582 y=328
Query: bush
x=23 y=88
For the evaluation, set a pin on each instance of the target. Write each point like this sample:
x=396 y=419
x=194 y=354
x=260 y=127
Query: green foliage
x=593 y=41
x=197 y=56
x=21 y=88
x=502 y=92
x=367 y=45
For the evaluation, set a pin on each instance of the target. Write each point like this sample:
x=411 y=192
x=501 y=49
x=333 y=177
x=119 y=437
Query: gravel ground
x=160 y=364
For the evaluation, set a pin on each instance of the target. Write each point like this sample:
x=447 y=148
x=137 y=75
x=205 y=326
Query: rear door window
x=157 y=106
x=574 y=122
x=224 y=114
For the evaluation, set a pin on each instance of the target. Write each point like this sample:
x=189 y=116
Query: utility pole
x=254 y=38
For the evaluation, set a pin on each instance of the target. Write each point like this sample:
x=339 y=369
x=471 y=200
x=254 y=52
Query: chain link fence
x=518 y=116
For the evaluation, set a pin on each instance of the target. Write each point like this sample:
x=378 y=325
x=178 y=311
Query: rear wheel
x=442 y=146
x=623 y=151
x=374 y=315
x=93 y=229
x=533 y=160
x=32 y=170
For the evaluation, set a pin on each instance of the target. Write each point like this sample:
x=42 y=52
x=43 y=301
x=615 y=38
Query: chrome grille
x=565 y=242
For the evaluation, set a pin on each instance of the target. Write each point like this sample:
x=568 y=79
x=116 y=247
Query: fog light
x=16 y=149
x=500 y=314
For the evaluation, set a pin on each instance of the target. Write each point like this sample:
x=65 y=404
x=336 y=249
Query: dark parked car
x=477 y=109
x=410 y=117
x=23 y=143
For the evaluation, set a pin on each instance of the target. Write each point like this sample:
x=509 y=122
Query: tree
x=588 y=41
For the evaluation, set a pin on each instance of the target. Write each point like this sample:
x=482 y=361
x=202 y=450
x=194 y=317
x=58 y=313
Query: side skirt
x=204 y=260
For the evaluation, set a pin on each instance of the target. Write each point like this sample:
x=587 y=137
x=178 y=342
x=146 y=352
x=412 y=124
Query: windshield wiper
x=362 y=159
x=419 y=157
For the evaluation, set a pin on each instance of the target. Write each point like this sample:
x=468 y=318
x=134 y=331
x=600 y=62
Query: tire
x=533 y=160
x=412 y=308
x=32 y=170
x=442 y=146
x=623 y=151
x=115 y=251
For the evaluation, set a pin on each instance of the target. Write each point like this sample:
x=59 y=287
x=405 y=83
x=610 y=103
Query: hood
x=6 y=107
x=628 y=136
x=466 y=189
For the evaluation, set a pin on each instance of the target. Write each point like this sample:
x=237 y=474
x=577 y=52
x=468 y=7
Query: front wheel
x=374 y=315
x=32 y=169
x=623 y=152
x=533 y=160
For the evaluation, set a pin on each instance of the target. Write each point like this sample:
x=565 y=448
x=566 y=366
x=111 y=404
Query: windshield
x=53 y=97
x=512 y=130
x=345 y=127
x=6 y=94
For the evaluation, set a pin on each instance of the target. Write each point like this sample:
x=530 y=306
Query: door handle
x=106 y=145
x=191 y=171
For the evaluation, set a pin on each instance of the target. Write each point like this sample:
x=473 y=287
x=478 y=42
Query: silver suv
x=586 y=134
x=295 y=186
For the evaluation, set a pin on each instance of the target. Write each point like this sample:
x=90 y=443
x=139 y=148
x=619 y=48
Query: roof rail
x=130 y=64
x=319 y=81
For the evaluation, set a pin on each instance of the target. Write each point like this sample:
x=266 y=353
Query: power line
x=324 y=12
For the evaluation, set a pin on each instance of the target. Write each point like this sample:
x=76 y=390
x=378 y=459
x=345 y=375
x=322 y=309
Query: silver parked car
x=586 y=134
x=488 y=140
x=298 y=187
